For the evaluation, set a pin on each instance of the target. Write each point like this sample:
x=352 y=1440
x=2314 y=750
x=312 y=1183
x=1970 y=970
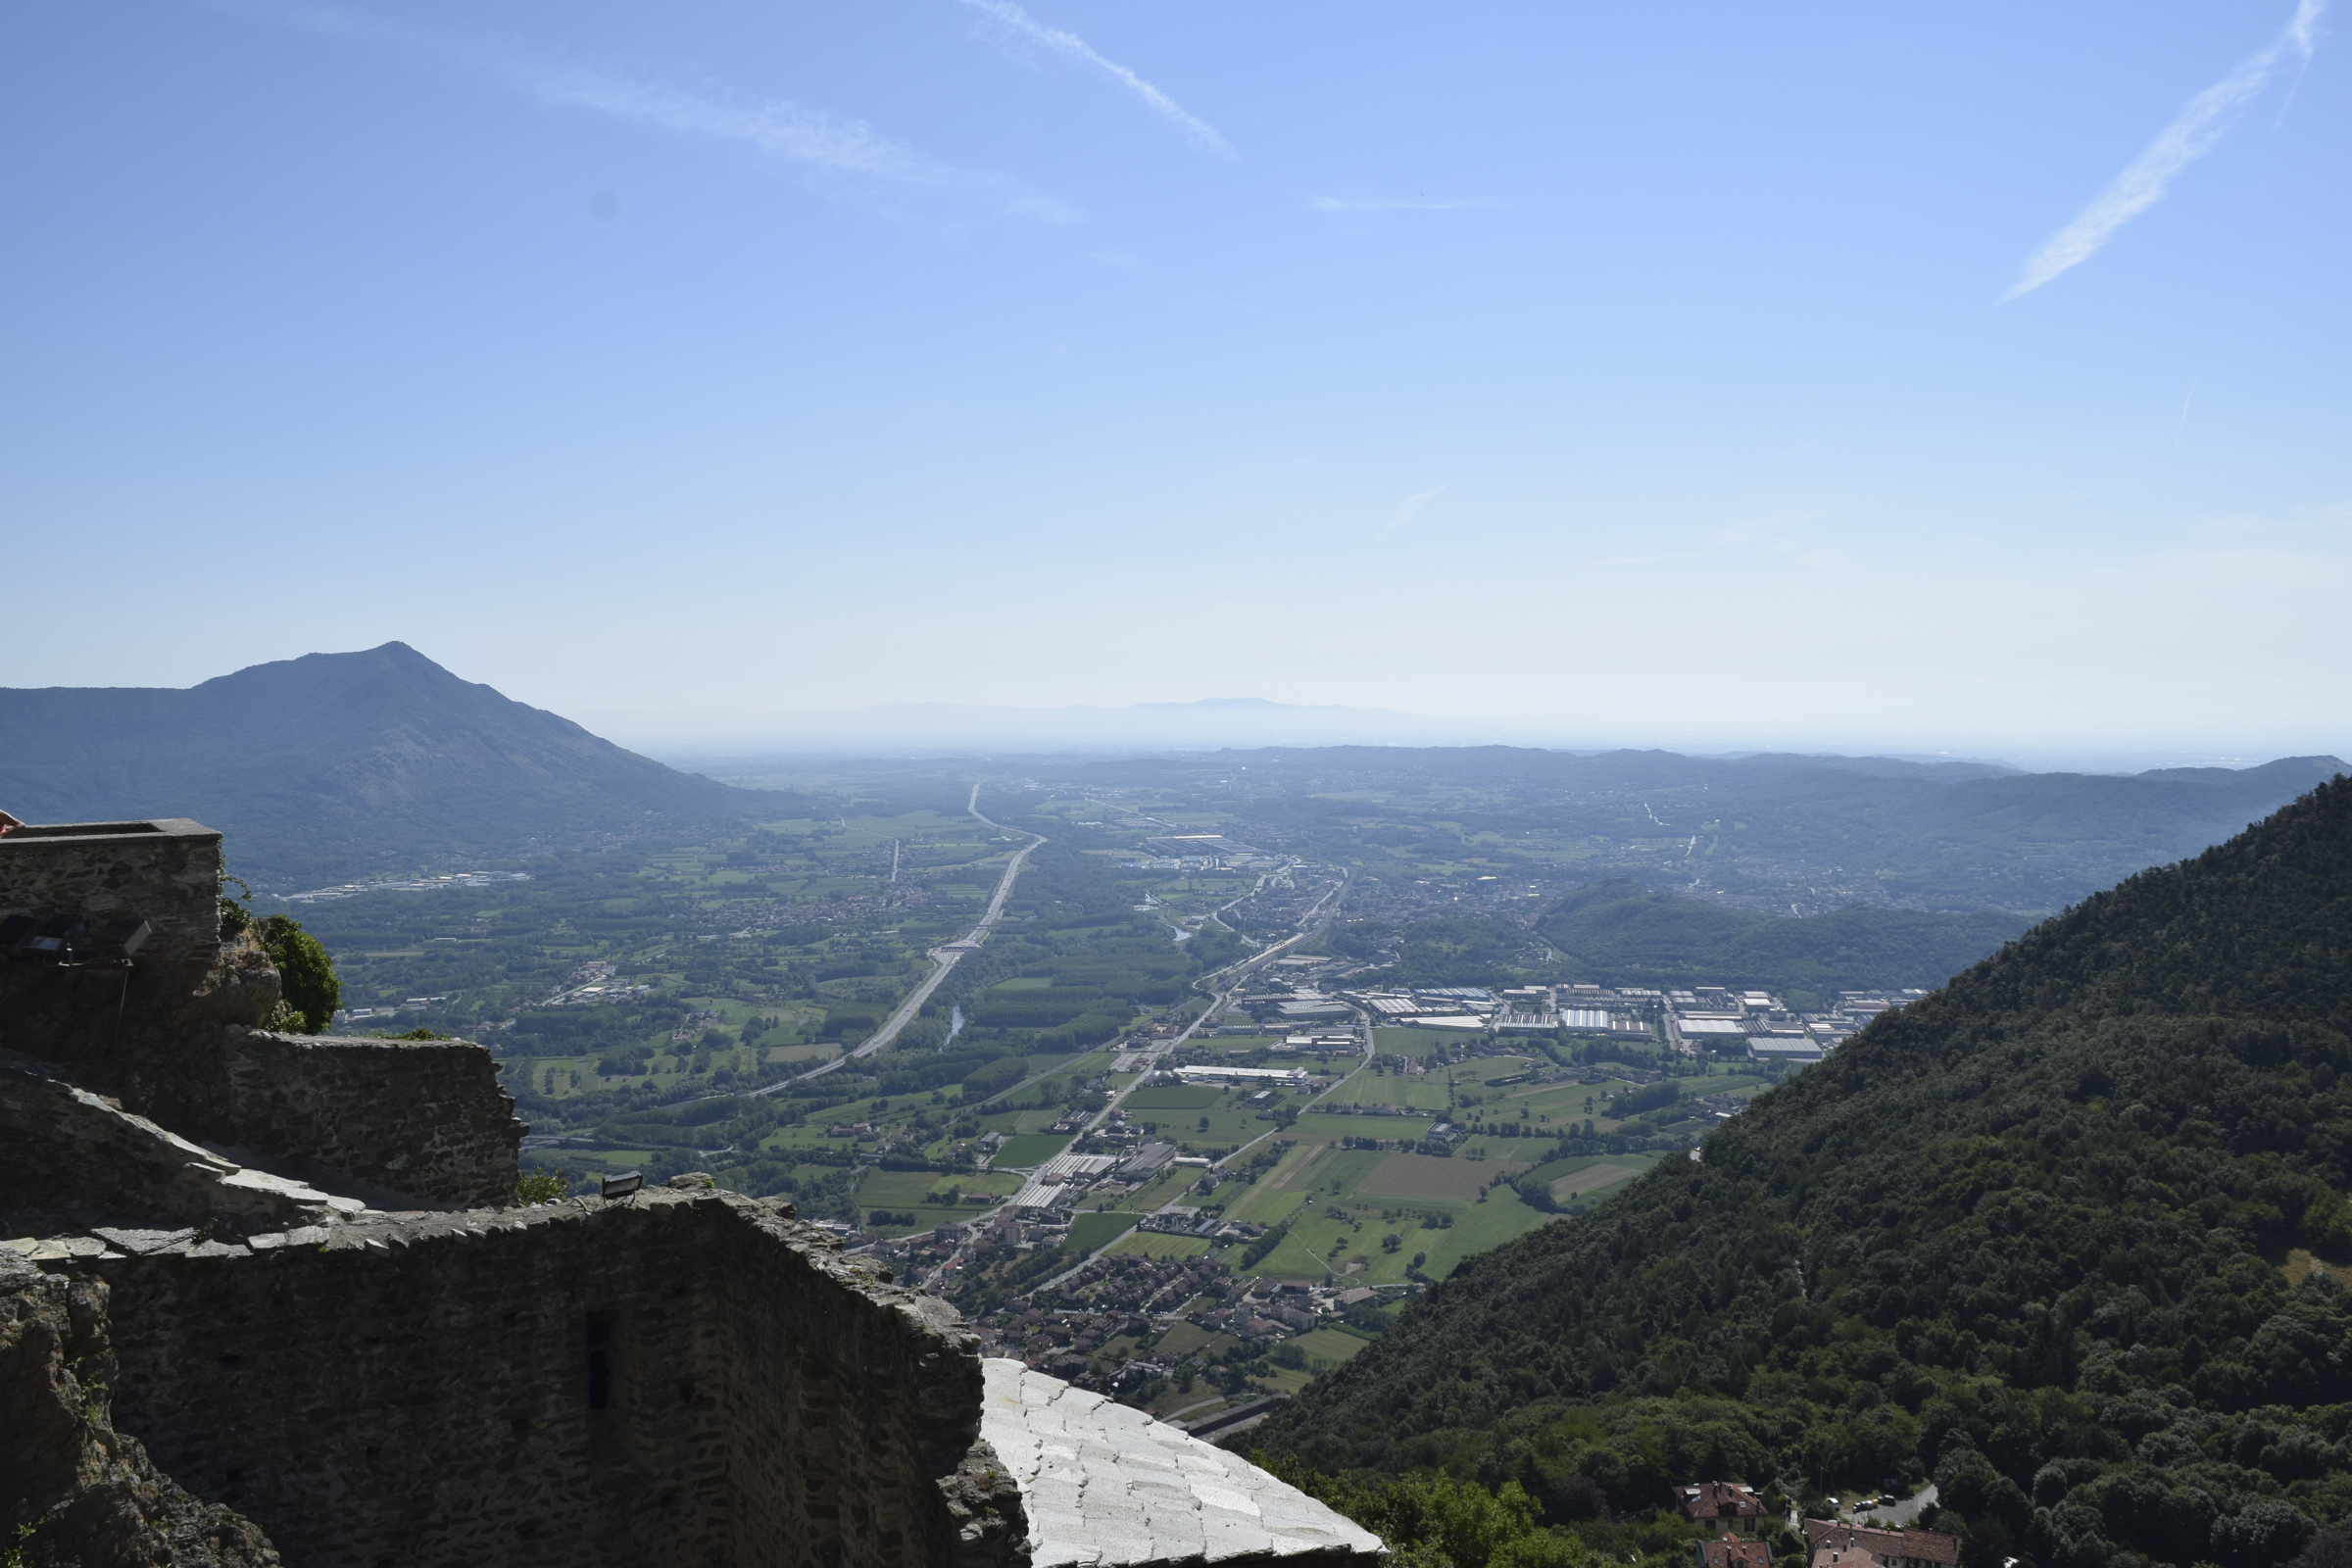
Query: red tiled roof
x=1720 y=1499
x=1730 y=1552
x=1824 y=1537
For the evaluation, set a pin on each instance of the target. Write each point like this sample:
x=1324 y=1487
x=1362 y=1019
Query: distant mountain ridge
x=937 y=729
x=1934 y=835
x=332 y=764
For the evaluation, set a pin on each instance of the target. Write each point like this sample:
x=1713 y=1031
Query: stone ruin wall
x=64 y=1148
x=422 y=1116
x=175 y=1038
x=426 y=1392
x=165 y=872
x=100 y=1499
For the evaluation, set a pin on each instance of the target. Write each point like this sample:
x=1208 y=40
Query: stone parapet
x=177 y=1043
x=165 y=872
x=63 y=1147
x=421 y=1117
x=671 y=1377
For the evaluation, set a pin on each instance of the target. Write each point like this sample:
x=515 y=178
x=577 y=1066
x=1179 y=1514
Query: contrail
x=1343 y=204
x=819 y=144
x=1408 y=510
x=1077 y=48
x=2199 y=126
x=813 y=138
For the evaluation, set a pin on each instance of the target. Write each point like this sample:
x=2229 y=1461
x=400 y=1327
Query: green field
x=1029 y=1149
x=1388 y=1129
x=1339 y=1204
x=1405 y=1090
x=1521 y=1152
x=1091 y=1231
x=1410 y=1042
x=911 y=1188
x=1043 y=1070
x=1183 y=1340
x=1593 y=1178
x=1173 y=1097
x=1327 y=1348
x=1424 y=1176
x=1348 y=1243
x=1151 y=1244
x=1335 y=1170
x=1227 y=1126
x=1583 y=1180
x=1017 y=1122
x=1170 y=1183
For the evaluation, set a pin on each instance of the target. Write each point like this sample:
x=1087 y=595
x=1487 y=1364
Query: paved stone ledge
x=1104 y=1485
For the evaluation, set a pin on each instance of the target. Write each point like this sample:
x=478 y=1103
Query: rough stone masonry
x=268 y=1298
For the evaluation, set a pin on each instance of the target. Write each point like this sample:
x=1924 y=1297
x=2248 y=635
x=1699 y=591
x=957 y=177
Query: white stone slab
x=1105 y=1486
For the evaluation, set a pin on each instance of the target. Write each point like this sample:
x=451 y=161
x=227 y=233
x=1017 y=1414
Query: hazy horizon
x=1836 y=379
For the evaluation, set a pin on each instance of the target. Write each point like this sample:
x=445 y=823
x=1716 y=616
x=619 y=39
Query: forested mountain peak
x=2058 y=1236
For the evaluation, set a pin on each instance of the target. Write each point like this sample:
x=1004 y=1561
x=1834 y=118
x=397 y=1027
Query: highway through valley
x=944 y=959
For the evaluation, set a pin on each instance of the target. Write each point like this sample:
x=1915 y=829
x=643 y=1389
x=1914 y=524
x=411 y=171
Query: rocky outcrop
x=76 y=1490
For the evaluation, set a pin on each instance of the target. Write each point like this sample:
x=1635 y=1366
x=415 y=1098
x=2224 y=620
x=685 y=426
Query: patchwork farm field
x=1424 y=1176
x=1389 y=1129
x=1405 y=1090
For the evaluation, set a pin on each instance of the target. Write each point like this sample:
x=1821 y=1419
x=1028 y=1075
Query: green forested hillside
x=2046 y=1237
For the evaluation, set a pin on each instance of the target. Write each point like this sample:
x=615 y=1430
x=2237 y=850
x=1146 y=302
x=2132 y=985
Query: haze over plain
x=1574 y=377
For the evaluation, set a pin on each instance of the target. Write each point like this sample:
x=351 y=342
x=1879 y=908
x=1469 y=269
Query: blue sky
x=1577 y=373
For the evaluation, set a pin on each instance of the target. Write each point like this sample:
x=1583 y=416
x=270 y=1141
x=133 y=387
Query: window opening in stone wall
x=600 y=1364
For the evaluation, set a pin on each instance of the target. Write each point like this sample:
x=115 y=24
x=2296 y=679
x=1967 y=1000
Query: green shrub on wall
x=309 y=993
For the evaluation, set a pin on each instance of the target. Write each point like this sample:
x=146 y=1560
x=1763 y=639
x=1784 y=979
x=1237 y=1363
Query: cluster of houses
x=1734 y=1516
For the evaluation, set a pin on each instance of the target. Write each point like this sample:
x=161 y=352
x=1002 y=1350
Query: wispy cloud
x=1408 y=508
x=815 y=139
x=1382 y=204
x=819 y=146
x=1070 y=46
x=2194 y=133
